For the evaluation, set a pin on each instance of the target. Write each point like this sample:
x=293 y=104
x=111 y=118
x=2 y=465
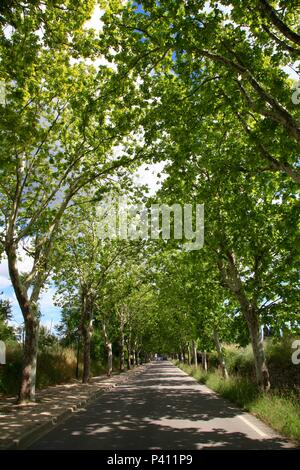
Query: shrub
x=54 y=366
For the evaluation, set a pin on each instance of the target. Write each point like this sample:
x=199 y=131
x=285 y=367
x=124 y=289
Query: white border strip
x=255 y=428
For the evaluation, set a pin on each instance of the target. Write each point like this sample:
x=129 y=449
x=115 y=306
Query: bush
x=54 y=366
x=10 y=373
x=284 y=375
x=240 y=361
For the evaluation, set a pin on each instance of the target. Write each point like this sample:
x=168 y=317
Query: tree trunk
x=121 y=314
x=204 y=361
x=134 y=357
x=232 y=280
x=195 y=353
x=122 y=353
x=109 y=359
x=129 y=356
x=77 y=358
x=108 y=347
x=86 y=354
x=31 y=326
x=86 y=328
x=189 y=353
x=261 y=369
x=220 y=354
x=27 y=389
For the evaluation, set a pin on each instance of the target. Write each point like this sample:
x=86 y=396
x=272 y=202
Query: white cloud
x=4 y=282
x=4 y=275
x=24 y=264
x=47 y=298
x=4 y=269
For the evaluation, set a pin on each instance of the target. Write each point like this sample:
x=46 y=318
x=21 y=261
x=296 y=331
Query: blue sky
x=50 y=313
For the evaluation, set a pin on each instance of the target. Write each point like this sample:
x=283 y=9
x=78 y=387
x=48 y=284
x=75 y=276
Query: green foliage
x=46 y=339
x=240 y=361
x=199 y=86
x=279 y=351
x=6 y=331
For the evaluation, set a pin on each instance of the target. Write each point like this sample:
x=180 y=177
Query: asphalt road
x=161 y=408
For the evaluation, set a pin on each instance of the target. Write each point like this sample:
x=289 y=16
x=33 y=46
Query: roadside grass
x=55 y=365
x=279 y=410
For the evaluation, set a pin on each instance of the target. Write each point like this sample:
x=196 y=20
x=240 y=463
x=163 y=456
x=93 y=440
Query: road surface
x=161 y=408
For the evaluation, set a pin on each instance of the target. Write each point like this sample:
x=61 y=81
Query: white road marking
x=255 y=428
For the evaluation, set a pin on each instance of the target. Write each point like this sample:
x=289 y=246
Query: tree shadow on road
x=158 y=410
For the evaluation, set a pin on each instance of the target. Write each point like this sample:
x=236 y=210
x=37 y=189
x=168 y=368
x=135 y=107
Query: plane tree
x=83 y=265
x=62 y=118
x=227 y=61
x=250 y=237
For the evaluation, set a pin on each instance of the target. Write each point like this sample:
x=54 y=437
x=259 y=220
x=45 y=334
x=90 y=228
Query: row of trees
x=227 y=125
x=199 y=85
x=102 y=286
x=61 y=121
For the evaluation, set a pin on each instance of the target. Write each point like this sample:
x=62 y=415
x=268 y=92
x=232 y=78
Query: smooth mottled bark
x=133 y=358
x=204 y=361
x=189 y=353
x=261 y=368
x=109 y=359
x=108 y=347
x=220 y=354
x=122 y=352
x=195 y=353
x=31 y=324
x=129 y=356
x=86 y=328
x=27 y=287
x=28 y=381
x=86 y=333
x=232 y=280
x=184 y=355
